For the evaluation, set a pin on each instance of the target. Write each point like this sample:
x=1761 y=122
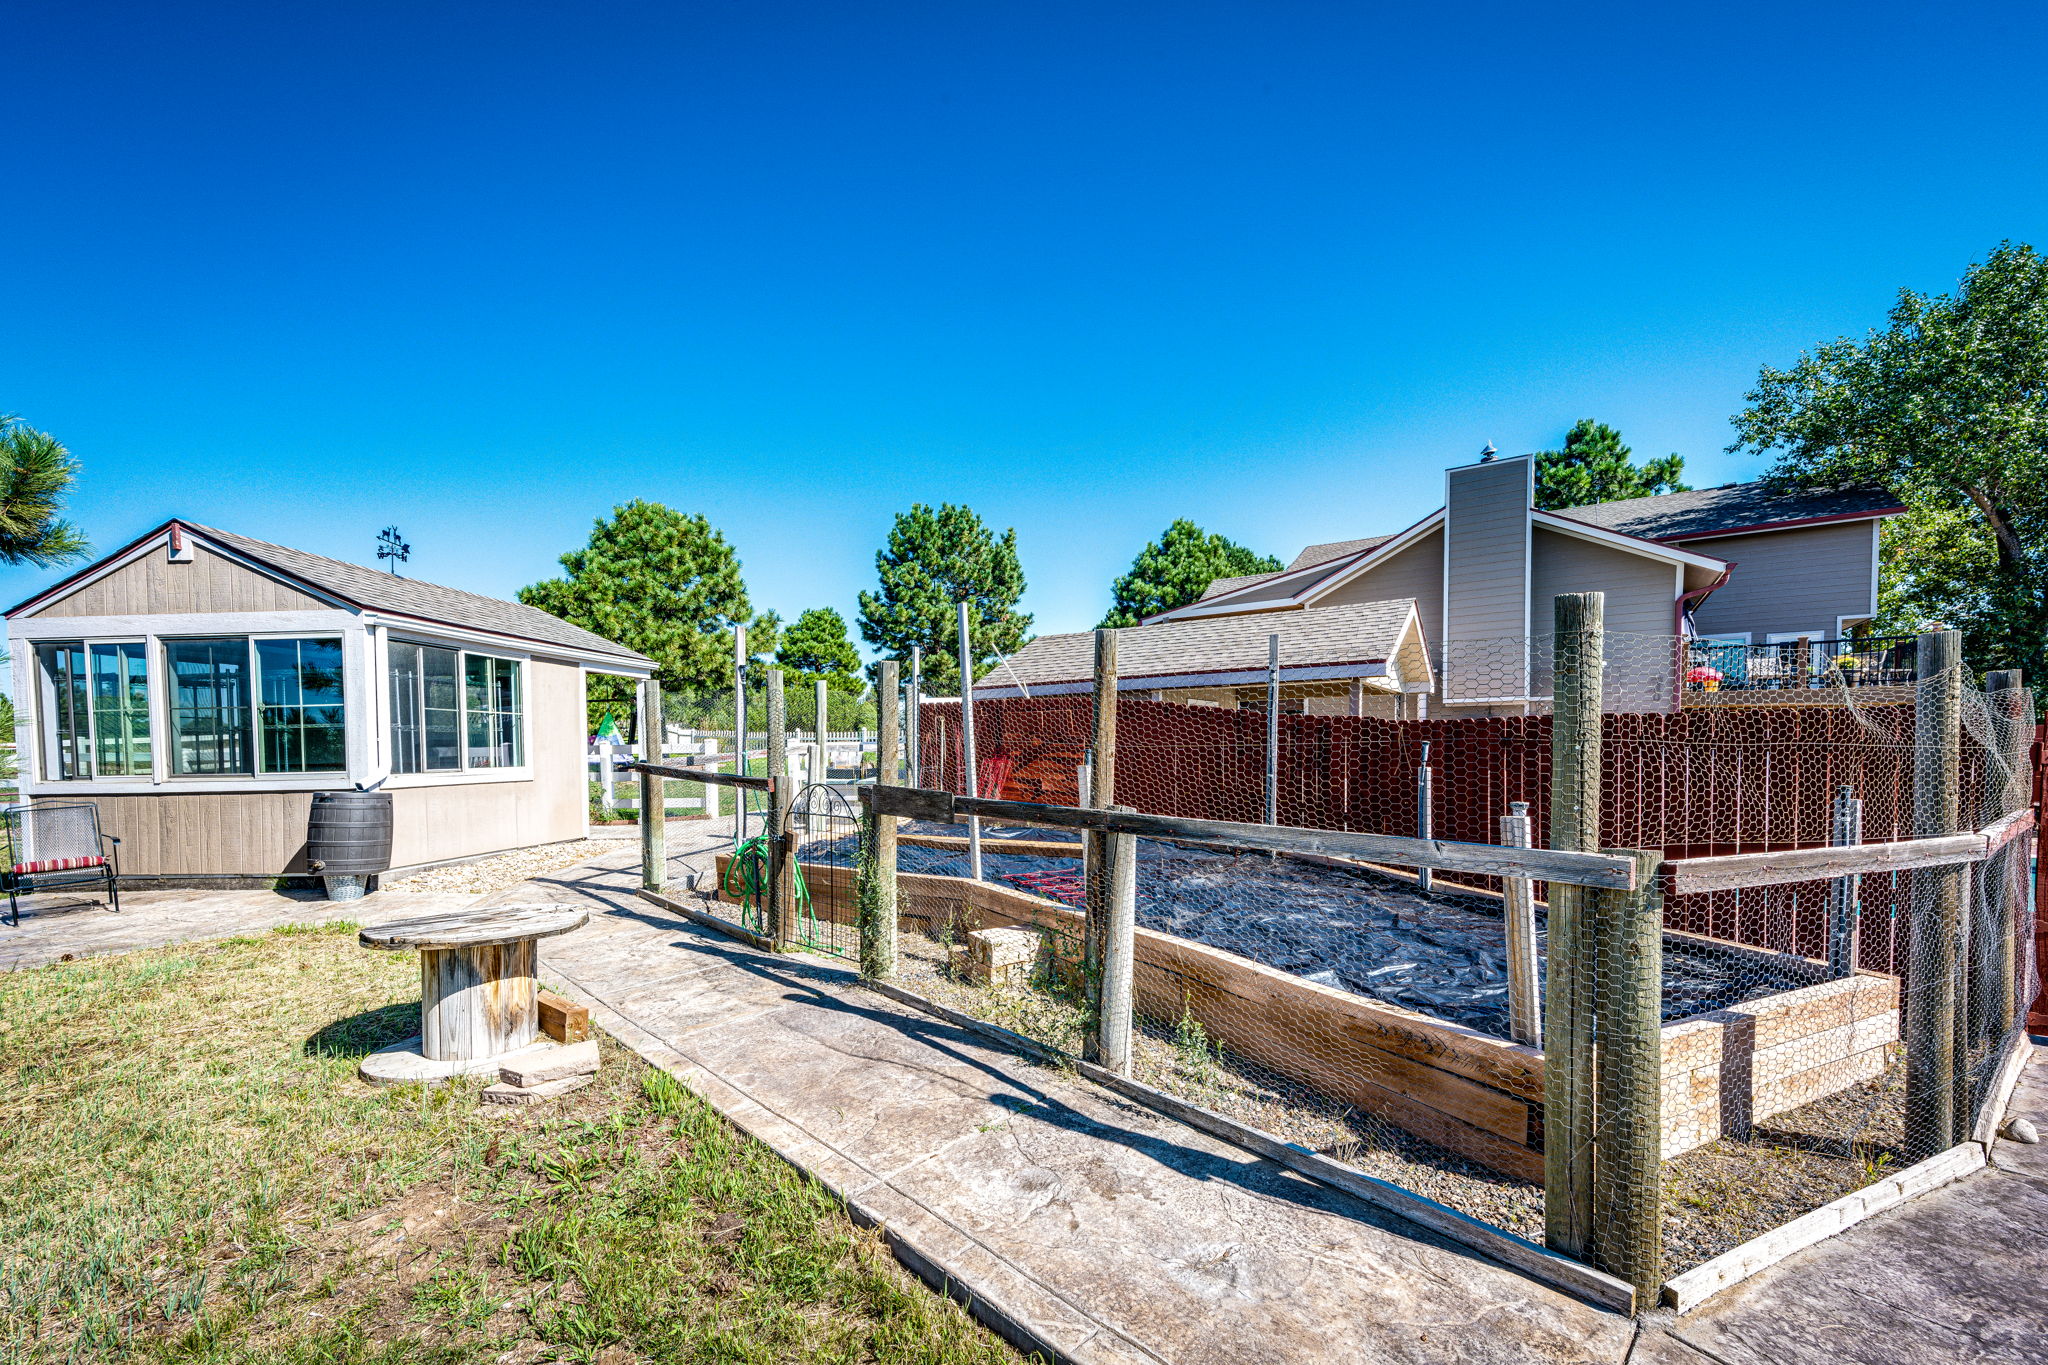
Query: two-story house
x=1740 y=564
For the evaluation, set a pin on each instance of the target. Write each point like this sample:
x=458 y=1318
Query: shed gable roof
x=374 y=590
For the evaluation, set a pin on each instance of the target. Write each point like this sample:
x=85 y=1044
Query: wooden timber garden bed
x=1454 y=1086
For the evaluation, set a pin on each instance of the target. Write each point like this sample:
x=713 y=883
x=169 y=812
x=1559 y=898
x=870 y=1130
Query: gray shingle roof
x=1367 y=632
x=1671 y=516
x=379 y=591
x=1336 y=549
x=1217 y=587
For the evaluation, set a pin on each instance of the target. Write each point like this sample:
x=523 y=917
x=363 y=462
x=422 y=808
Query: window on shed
x=299 y=714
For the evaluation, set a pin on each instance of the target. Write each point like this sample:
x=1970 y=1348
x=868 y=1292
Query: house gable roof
x=1349 y=641
x=373 y=590
x=1731 y=508
x=1336 y=549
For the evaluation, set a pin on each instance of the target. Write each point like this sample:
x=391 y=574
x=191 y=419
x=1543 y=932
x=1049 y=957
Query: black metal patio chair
x=51 y=847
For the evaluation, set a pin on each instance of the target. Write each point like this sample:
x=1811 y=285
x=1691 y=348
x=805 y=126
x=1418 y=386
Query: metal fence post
x=653 y=793
x=1844 y=914
x=913 y=743
x=1425 y=813
x=739 y=735
x=1098 y=863
x=1627 y=930
x=1568 y=1092
x=1930 y=1006
x=877 y=890
x=1272 y=729
x=1518 y=903
x=973 y=776
x=2005 y=792
x=781 y=867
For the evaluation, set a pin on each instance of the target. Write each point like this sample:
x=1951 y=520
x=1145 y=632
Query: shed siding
x=1486 y=582
x=1791 y=581
x=263 y=834
x=153 y=586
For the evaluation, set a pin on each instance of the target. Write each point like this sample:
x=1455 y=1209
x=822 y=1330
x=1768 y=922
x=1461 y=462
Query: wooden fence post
x=1578 y=674
x=739 y=735
x=1628 y=999
x=1844 y=913
x=1518 y=902
x=877 y=890
x=1098 y=863
x=1935 y=962
x=653 y=793
x=1108 y=1039
x=781 y=867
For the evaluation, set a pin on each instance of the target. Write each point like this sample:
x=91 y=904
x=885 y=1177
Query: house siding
x=1638 y=615
x=154 y=586
x=1486 y=580
x=1790 y=581
x=1417 y=572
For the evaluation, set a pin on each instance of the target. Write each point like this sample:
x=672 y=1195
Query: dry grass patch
x=190 y=1171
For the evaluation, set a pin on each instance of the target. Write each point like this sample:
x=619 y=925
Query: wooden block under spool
x=551 y=1064
x=501 y=1093
x=562 y=1019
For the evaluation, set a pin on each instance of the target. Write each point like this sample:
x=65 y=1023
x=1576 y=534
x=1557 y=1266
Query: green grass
x=189 y=1171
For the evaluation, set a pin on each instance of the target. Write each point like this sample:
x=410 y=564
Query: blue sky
x=484 y=271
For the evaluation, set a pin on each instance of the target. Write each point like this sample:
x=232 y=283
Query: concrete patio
x=1100 y=1231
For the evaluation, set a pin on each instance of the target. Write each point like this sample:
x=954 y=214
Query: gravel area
x=506 y=870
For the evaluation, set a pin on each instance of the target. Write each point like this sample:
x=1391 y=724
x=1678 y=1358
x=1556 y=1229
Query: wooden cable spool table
x=479 y=1001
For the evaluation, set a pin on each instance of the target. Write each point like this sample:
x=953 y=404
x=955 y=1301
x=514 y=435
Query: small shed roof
x=374 y=590
x=1364 y=640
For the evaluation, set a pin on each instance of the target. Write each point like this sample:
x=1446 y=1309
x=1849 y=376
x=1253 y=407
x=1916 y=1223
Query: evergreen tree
x=1176 y=569
x=1594 y=466
x=934 y=560
x=666 y=584
x=817 y=646
x=36 y=475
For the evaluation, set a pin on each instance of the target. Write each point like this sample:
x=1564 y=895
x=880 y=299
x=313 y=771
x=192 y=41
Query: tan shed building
x=199 y=686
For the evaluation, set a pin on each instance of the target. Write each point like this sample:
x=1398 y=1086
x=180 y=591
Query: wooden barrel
x=349 y=833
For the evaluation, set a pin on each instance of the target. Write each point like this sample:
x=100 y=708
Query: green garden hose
x=746 y=881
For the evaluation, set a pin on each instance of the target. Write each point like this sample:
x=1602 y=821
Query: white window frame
x=161 y=690
x=522 y=772
x=46 y=715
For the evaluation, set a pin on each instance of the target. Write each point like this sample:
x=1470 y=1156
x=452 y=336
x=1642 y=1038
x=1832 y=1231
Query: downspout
x=1680 y=609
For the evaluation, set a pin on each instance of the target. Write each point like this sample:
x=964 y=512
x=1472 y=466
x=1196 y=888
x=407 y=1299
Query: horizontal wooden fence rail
x=1494 y=860
x=758 y=784
x=1736 y=870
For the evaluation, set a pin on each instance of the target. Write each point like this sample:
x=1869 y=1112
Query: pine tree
x=934 y=560
x=1176 y=569
x=36 y=475
x=817 y=646
x=1594 y=466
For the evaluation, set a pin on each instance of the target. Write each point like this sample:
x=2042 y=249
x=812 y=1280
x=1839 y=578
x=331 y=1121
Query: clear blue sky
x=301 y=270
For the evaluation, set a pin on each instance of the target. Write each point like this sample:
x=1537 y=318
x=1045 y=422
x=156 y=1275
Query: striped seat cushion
x=57 y=865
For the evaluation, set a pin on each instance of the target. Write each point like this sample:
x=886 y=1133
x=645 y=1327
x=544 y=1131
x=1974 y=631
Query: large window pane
x=209 y=706
x=407 y=741
x=441 y=709
x=120 y=709
x=300 y=713
x=491 y=696
x=67 y=722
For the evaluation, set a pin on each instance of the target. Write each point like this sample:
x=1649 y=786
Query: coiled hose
x=746 y=881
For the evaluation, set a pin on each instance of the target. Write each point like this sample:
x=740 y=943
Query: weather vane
x=391 y=547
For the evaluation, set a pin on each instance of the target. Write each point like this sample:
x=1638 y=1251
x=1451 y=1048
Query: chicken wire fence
x=1744 y=1053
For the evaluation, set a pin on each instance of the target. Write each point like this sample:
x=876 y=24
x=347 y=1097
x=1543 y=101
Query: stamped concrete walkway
x=1101 y=1231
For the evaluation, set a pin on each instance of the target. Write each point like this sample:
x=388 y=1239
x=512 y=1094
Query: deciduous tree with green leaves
x=1176 y=569
x=36 y=475
x=664 y=583
x=1946 y=407
x=934 y=559
x=1595 y=466
x=816 y=645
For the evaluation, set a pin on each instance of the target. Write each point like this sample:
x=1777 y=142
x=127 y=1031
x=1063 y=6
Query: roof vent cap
x=1487 y=455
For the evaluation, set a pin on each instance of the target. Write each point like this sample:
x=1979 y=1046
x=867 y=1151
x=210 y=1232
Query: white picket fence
x=844 y=751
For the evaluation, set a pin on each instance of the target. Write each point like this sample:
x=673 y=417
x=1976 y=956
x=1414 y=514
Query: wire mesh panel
x=1739 y=1056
